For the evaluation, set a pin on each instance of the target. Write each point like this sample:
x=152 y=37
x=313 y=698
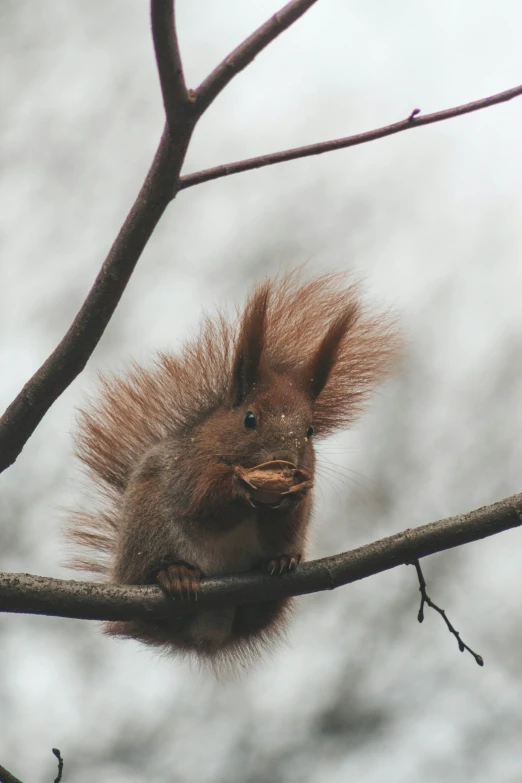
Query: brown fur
x=161 y=445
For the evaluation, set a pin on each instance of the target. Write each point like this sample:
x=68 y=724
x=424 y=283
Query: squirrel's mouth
x=275 y=483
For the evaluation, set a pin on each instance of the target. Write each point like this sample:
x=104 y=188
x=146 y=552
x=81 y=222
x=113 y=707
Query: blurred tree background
x=431 y=220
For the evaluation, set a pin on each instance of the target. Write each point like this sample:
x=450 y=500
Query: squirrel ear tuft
x=317 y=371
x=249 y=345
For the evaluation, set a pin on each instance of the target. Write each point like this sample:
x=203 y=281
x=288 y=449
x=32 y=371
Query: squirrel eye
x=310 y=431
x=250 y=421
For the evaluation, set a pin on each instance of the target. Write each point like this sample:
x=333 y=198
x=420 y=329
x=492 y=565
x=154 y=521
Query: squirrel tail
x=129 y=415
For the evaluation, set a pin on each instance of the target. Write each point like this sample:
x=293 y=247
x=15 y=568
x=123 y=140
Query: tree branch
x=58 y=755
x=23 y=593
x=170 y=68
x=70 y=357
x=412 y=121
x=243 y=55
x=7 y=777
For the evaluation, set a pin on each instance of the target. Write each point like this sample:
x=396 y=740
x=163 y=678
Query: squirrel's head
x=273 y=421
x=270 y=413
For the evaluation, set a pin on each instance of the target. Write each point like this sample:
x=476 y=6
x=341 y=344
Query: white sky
x=432 y=219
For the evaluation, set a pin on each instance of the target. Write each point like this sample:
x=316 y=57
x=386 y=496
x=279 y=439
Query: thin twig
x=413 y=121
x=24 y=593
x=170 y=69
x=425 y=599
x=7 y=777
x=243 y=55
x=60 y=764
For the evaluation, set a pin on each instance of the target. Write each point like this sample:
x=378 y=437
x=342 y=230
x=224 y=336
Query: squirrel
x=169 y=450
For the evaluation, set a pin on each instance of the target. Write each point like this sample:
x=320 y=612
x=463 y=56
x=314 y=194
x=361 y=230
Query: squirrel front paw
x=179 y=580
x=241 y=489
x=282 y=563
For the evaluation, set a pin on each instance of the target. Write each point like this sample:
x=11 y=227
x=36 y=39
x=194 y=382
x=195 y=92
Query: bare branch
x=23 y=593
x=161 y=184
x=243 y=55
x=7 y=777
x=425 y=599
x=70 y=357
x=170 y=68
x=412 y=121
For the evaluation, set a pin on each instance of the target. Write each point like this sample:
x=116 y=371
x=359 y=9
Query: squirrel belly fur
x=165 y=446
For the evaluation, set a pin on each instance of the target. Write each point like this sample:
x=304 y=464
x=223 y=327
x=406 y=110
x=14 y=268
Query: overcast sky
x=432 y=220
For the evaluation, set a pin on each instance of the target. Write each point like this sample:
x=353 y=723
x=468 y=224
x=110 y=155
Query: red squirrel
x=168 y=448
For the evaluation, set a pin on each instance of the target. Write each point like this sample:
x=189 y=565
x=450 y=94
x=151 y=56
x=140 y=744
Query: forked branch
x=183 y=110
x=425 y=599
x=170 y=69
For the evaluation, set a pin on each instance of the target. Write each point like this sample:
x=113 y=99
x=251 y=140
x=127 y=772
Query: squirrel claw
x=282 y=564
x=241 y=490
x=179 y=578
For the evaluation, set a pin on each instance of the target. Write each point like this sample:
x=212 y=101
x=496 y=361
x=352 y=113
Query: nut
x=271 y=482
